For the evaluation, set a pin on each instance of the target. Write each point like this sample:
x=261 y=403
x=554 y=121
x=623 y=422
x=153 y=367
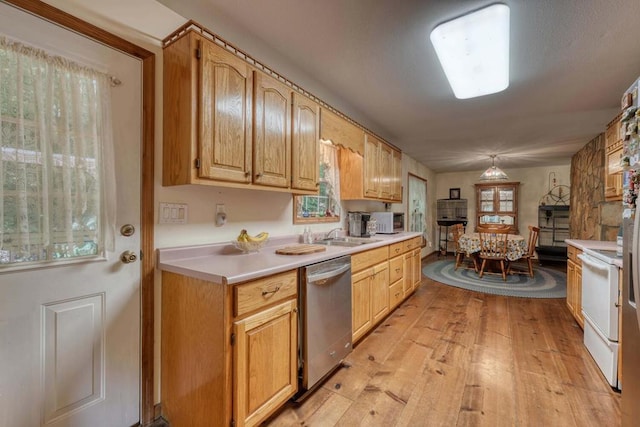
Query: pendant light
x=493 y=173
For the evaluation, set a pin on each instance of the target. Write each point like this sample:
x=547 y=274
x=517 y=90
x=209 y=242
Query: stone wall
x=591 y=216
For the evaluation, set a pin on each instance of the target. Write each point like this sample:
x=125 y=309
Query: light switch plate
x=173 y=213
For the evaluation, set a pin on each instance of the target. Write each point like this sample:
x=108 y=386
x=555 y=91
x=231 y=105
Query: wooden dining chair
x=457 y=230
x=530 y=254
x=493 y=247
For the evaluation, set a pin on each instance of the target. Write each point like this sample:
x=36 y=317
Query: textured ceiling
x=571 y=60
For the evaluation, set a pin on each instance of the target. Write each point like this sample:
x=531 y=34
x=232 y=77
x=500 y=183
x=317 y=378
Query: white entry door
x=70 y=334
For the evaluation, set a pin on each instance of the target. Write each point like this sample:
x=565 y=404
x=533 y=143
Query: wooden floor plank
x=450 y=357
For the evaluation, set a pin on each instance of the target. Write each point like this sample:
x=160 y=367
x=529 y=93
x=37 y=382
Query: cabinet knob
x=259 y=175
x=247 y=173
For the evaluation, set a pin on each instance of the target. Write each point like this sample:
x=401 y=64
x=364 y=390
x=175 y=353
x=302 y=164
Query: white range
x=600 y=306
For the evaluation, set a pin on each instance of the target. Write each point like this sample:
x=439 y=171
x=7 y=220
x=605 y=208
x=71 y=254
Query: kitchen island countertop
x=222 y=263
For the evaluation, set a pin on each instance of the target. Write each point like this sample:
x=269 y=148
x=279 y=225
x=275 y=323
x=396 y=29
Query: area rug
x=546 y=283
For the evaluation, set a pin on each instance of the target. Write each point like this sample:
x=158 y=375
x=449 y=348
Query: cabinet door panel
x=265 y=373
x=371 y=184
x=225 y=115
x=272 y=132
x=360 y=304
x=380 y=292
x=305 y=147
x=396 y=176
x=407 y=280
x=384 y=171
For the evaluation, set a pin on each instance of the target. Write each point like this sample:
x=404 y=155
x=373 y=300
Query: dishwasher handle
x=592 y=262
x=321 y=277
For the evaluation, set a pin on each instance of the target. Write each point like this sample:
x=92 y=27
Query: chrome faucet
x=327 y=236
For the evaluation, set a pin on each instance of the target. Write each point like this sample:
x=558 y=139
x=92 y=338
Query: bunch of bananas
x=245 y=237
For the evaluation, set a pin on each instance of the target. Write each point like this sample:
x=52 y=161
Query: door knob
x=128 y=257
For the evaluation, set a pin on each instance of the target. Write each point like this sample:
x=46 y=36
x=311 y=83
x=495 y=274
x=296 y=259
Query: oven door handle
x=322 y=277
x=590 y=262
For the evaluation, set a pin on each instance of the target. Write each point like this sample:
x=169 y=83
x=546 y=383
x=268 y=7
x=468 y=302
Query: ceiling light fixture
x=473 y=50
x=493 y=173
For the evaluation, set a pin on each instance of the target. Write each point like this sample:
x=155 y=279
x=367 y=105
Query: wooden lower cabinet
x=369 y=298
x=416 y=269
x=369 y=290
x=407 y=286
x=380 y=292
x=229 y=353
x=265 y=369
x=361 y=320
x=574 y=284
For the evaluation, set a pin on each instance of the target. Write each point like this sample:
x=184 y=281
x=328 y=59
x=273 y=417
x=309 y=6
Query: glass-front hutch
x=497 y=203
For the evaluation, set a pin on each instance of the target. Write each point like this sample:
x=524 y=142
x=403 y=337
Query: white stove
x=600 y=309
x=606 y=255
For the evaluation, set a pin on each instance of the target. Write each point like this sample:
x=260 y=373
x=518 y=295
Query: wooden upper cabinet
x=396 y=185
x=272 y=132
x=229 y=124
x=497 y=203
x=305 y=146
x=613 y=161
x=371 y=166
x=386 y=171
x=226 y=84
x=374 y=175
x=340 y=131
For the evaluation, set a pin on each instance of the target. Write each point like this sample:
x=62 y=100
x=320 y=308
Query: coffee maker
x=357 y=222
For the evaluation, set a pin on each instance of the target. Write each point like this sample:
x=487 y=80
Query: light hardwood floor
x=450 y=357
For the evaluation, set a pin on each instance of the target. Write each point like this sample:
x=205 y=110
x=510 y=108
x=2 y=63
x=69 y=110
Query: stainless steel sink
x=346 y=241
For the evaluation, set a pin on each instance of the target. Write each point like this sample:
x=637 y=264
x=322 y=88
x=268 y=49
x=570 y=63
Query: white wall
x=534 y=183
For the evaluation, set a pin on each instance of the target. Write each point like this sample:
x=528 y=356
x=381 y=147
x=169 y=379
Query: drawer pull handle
x=397 y=270
x=265 y=293
x=397 y=250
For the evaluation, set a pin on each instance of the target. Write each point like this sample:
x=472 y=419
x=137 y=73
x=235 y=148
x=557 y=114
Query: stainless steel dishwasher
x=325 y=320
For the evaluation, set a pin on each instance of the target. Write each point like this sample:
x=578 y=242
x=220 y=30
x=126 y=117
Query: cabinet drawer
x=262 y=292
x=365 y=259
x=396 y=249
x=572 y=254
x=411 y=244
x=396 y=294
x=395 y=269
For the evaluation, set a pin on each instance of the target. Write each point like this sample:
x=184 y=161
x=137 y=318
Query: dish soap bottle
x=307 y=236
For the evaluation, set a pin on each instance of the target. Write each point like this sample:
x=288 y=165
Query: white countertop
x=592 y=244
x=222 y=263
x=585 y=245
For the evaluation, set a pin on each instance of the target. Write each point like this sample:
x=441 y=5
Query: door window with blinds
x=57 y=190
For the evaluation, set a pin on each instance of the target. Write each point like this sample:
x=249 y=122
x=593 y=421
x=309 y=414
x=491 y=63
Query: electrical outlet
x=220 y=208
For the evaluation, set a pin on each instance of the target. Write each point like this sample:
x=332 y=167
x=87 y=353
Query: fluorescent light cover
x=474 y=51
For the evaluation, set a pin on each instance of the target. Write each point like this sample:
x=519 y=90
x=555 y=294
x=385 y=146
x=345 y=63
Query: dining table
x=469 y=243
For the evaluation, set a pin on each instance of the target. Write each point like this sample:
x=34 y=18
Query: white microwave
x=388 y=222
